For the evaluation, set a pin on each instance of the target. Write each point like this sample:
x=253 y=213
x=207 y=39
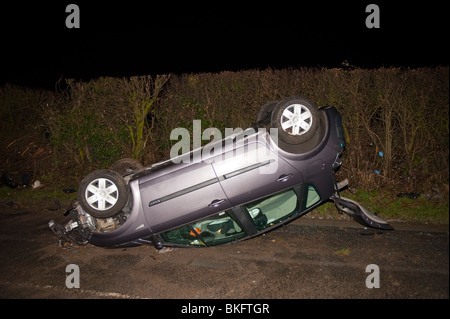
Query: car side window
x=274 y=209
x=214 y=230
x=312 y=197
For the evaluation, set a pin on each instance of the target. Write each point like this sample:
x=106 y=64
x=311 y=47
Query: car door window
x=274 y=209
x=214 y=230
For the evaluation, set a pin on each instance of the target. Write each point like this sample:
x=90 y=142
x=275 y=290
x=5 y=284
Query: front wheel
x=127 y=166
x=103 y=193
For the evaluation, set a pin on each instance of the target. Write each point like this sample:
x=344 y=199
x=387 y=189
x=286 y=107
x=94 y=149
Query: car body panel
x=253 y=171
x=182 y=196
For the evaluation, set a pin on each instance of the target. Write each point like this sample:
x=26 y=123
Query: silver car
x=242 y=186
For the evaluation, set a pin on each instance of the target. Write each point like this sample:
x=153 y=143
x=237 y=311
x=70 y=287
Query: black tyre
x=126 y=166
x=264 y=114
x=297 y=120
x=103 y=193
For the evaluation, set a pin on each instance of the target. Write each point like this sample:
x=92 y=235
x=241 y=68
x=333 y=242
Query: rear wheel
x=297 y=120
x=103 y=193
x=265 y=113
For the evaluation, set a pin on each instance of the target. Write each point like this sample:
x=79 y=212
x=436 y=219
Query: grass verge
x=42 y=198
x=387 y=205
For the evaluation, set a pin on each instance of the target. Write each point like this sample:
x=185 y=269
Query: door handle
x=216 y=202
x=284 y=177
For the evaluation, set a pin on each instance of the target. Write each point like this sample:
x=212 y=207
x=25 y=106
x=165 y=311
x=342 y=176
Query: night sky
x=126 y=38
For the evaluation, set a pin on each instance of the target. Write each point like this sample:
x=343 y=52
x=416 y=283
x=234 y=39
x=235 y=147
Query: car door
x=181 y=196
x=241 y=222
x=253 y=171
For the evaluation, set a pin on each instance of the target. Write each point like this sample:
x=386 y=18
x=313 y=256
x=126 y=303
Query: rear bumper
x=359 y=213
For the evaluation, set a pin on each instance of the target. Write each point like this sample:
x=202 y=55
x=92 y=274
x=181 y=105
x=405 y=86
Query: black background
x=125 y=38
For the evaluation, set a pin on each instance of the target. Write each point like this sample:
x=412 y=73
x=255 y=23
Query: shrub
x=402 y=113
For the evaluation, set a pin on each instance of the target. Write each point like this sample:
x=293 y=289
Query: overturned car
x=240 y=187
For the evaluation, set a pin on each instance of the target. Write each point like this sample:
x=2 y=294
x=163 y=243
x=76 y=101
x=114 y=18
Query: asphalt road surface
x=307 y=259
